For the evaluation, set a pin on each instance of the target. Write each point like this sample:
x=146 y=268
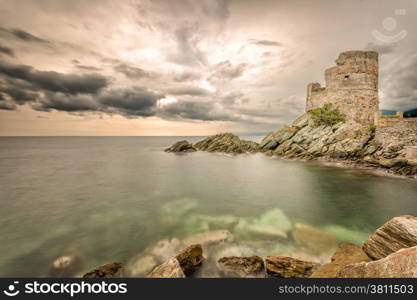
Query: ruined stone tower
x=351 y=86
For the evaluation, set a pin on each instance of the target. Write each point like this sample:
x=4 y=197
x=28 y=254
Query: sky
x=188 y=67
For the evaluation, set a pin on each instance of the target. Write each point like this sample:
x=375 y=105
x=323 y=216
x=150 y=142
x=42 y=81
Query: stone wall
x=351 y=86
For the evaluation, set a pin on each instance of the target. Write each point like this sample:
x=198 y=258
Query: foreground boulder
x=399 y=232
x=227 y=143
x=401 y=264
x=190 y=258
x=181 y=146
x=113 y=270
x=169 y=269
x=233 y=266
x=287 y=267
x=345 y=255
x=181 y=265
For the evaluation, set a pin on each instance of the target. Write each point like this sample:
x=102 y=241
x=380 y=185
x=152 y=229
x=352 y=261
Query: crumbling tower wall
x=351 y=86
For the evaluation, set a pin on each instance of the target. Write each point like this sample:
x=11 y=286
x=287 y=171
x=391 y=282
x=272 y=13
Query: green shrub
x=326 y=115
x=372 y=128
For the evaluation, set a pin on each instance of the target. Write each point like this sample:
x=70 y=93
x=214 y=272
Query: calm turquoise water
x=108 y=198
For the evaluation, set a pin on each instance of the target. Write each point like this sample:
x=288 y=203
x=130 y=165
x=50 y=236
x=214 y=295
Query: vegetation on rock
x=326 y=115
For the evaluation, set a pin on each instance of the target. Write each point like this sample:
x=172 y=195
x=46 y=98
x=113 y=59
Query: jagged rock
x=301 y=121
x=233 y=266
x=181 y=146
x=314 y=238
x=401 y=264
x=391 y=163
x=399 y=232
x=346 y=254
x=113 y=270
x=209 y=238
x=227 y=143
x=287 y=267
x=272 y=140
x=190 y=258
x=169 y=269
x=65 y=266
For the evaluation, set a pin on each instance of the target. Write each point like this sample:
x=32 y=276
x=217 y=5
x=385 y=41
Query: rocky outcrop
x=313 y=238
x=181 y=146
x=113 y=270
x=273 y=139
x=233 y=266
x=346 y=254
x=287 y=267
x=399 y=232
x=401 y=264
x=190 y=258
x=180 y=266
x=227 y=143
x=169 y=269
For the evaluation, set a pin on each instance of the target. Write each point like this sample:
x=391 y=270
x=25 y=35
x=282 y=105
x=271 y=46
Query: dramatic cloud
x=6 y=51
x=132 y=72
x=54 y=81
x=22 y=35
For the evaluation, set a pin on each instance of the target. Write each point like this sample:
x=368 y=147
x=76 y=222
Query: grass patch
x=326 y=115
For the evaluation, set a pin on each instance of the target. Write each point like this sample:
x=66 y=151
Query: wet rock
x=314 y=238
x=227 y=143
x=197 y=222
x=169 y=269
x=190 y=258
x=287 y=267
x=399 y=232
x=181 y=146
x=233 y=266
x=65 y=266
x=345 y=234
x=401 y=264
x=346 y=254
x=209 y=238
x=226 y=250
x=113 y=270
x=391 y=163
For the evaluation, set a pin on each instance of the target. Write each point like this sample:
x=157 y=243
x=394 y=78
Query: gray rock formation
x=181 y=146
x=399 y=232
x=287 y=267
x=234 y=267
x=227 y=143
x=169 y=269
x=401 y=264
x=190 y=258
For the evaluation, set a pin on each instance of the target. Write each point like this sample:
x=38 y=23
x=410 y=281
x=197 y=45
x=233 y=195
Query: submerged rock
x=399 y=232
x=287 y=267
x=141 y=266
x=346 y=254
x=181 y=146
x=272 y=224
x=345 y=234
x=199 y=222
x=113 y=270
x=314 y=238
x=169 y=269
x=209 y=238
x=401 y=264
x=65 y=266
x=227 y=143
x=233 y=266
x=190 y=258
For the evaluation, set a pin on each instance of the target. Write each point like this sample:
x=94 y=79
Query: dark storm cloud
x=194 y=110
x=64 y=102
x=131 y=102
x=6 y=50
x=132 y=72
x=20 y=96
x=22 y=35
x=54 y=81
